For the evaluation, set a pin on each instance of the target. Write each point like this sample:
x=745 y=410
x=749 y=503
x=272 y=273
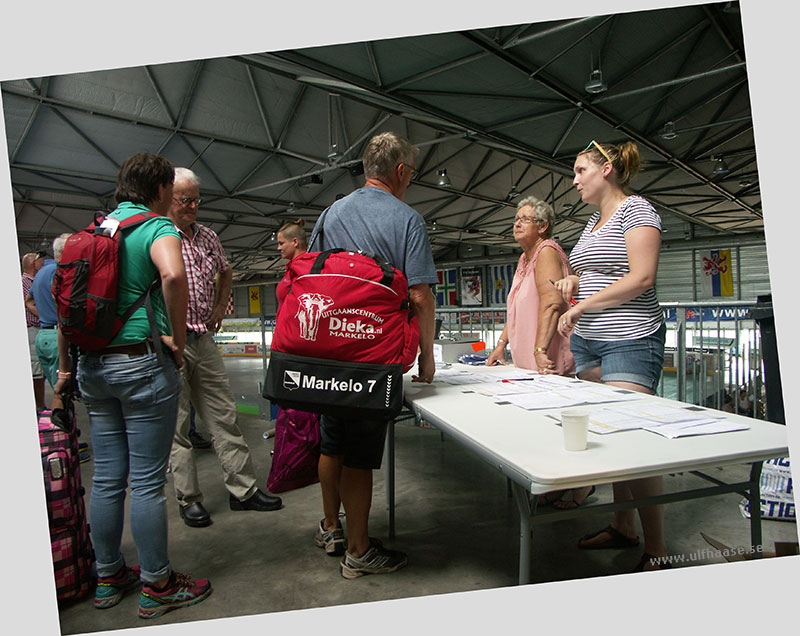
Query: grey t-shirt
x=374 y=221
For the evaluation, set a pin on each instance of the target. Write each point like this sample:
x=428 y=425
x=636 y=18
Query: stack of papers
x=663 y=419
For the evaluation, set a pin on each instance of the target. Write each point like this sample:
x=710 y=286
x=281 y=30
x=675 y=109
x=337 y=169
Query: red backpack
x=344 y=335
x=86 y=281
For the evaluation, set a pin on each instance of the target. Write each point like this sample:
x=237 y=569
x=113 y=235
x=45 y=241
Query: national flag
x=717 y=273
x=501 y=278
x=446 y=288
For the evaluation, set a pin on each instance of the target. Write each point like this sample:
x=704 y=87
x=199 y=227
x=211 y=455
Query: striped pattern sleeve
x=601 y=258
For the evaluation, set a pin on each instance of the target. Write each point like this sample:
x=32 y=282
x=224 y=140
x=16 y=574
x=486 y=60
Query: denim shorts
x=359 y=441
x=639 y=361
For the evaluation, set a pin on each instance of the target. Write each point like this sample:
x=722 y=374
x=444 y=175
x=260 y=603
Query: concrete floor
x=453 y=517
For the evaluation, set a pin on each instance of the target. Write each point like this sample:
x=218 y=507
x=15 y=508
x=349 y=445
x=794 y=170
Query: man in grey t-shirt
x=373 y=219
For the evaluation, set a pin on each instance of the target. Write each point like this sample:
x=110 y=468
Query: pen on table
x=518 y=380
x=572 y=301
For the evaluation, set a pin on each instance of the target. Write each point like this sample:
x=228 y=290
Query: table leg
x=390 y=476
x=755 y=510
x=525 y=533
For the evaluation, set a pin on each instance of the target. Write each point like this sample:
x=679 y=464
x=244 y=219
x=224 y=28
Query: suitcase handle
x=386 y=267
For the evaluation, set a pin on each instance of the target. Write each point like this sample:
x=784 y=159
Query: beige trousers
x=206 y=385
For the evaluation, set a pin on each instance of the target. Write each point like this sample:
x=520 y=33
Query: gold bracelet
x=539 y=350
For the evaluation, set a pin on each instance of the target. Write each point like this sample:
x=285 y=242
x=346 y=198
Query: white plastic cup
x=575 y=425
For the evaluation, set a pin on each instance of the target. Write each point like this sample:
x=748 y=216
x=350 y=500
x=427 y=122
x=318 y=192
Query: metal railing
x=712 y=354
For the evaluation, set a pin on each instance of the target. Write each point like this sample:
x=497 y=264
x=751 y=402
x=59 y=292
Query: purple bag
x=296 y=452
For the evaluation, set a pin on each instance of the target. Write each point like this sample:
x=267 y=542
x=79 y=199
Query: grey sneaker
x=331 y=540
x=376 y=560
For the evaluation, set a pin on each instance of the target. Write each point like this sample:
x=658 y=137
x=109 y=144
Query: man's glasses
x=599 y=147
x=187 y=200
x=414 y=171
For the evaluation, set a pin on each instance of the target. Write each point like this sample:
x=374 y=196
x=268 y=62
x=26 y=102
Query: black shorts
x=359 y=441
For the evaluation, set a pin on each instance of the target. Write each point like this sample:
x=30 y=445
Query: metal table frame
x=523 y=487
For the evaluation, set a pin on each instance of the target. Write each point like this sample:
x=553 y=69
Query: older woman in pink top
x=534 y=305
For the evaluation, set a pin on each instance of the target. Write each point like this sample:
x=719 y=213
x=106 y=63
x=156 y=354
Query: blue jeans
x=133 y=406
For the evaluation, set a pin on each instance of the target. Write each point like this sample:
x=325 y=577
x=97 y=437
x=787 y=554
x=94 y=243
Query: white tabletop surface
x=529 y=444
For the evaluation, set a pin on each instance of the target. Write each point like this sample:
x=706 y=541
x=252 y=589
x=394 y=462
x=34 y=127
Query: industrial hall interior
x=566 y=219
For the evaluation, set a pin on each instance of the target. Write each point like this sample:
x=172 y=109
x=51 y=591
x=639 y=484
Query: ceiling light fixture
x=669 y=131
x=596 y=84
x=444 y=180
x=513 y=193
x=721 y=168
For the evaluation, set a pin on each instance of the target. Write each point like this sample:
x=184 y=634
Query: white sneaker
x=376 y=560
x=331 y=540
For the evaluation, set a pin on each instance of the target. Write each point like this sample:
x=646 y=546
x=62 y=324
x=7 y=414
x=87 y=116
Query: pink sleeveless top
x=523 y=316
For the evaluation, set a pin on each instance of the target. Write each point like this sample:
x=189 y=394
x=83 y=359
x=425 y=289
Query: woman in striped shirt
x=617 y=325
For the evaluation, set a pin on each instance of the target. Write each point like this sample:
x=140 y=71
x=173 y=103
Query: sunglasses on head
x=599 y=147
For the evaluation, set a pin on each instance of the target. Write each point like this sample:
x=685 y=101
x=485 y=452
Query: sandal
x=616 y=540
x=661 y=565
x=569 y=501
x=549 y=497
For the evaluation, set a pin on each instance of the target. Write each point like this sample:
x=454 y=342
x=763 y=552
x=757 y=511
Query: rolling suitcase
x=73 y=556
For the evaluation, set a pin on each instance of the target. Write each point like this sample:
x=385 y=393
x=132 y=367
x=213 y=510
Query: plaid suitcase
x=73 y=557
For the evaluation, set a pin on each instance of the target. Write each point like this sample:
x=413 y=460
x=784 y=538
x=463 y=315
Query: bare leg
x=355 y=489
x=330 y=472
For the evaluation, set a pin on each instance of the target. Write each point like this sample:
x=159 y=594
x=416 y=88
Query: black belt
x=134 y=350
x=192 y=335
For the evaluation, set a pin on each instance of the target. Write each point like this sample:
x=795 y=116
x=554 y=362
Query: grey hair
x=184 y=174
x=58 y=244
x=384 y=151
x=542 y=211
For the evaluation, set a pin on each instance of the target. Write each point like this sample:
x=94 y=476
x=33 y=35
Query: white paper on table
x=495 y=389
x=604 y=421
x=533 y=400
x=506 y=373
x=667 y=414
x=707 y=426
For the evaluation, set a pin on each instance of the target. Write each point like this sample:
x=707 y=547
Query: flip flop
x=617 y=540
x=662 y=565
x=568 y=497
x=549 y=497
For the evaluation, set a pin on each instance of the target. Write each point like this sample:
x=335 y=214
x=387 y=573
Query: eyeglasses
x=525 y=219
x=414 y=171
x=187 y=200
x=599 y=147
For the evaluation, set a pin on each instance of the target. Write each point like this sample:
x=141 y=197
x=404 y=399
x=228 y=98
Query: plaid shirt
x=27 y=281
x=203 y=258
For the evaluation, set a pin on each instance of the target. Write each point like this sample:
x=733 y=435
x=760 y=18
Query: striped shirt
x=27 y=281
x=203 y=258
x=601 y=258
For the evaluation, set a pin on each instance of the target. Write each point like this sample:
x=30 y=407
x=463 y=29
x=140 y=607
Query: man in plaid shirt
x=205 y=380
x=32 y=263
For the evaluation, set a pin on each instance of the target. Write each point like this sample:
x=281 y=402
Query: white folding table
x=527 y=447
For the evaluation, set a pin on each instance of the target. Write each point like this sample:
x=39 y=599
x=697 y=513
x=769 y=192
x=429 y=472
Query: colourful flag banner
x=717 y=273
x=229 y=306
x=254 y=293
x=446 y=288
x=501 y=278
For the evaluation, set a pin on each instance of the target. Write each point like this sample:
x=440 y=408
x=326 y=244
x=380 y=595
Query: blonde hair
x=624 y=159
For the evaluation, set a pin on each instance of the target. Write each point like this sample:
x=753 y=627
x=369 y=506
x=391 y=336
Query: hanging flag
x=471 y=286
x=229 y=306
x=717 y=273
x=254 y=294
x=446 y=288
x=501 y=278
